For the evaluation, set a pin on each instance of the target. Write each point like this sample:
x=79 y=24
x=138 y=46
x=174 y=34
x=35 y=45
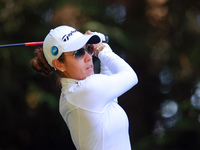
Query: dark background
x=158 y=38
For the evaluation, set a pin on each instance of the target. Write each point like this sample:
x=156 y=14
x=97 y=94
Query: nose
x=87 y=56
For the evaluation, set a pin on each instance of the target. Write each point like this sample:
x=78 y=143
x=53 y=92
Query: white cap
x=65 y=39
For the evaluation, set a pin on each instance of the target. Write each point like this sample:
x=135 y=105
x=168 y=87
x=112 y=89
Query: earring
x=62 y=70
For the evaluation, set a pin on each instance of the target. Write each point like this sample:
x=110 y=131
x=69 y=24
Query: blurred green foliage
x=158 y=38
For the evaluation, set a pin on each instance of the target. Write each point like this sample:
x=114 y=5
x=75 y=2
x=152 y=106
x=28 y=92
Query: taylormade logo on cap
x=65 y=39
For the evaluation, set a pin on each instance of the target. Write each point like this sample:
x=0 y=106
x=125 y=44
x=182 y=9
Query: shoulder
x=92 y=81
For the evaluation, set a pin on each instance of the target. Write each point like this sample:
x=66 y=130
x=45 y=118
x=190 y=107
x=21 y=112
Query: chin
x=89 y=74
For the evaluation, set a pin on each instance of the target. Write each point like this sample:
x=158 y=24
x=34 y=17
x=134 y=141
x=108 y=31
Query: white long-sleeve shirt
x=90 y=108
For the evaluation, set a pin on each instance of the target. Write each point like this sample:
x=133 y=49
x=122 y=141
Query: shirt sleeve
x=96 y=91
x=104 y=69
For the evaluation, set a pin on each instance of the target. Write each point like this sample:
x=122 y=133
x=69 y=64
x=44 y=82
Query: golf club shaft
x=22 y=44
x=36 y=43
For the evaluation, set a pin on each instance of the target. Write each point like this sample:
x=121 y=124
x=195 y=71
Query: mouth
x=90 y=67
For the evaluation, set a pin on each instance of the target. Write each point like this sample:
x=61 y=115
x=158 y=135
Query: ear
x=58 y=65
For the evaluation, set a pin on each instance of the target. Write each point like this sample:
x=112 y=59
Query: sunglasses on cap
x=79 y=54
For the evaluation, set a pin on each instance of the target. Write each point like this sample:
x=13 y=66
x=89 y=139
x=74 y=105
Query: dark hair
x=40 y=64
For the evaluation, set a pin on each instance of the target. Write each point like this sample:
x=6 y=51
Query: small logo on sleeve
x=54 y=50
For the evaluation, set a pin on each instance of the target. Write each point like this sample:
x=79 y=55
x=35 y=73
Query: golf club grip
x=106 y=39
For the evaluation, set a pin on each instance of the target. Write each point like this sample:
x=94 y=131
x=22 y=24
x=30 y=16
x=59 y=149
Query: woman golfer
x=88 y=101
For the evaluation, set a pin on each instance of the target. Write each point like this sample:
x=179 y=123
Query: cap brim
x=81 y=41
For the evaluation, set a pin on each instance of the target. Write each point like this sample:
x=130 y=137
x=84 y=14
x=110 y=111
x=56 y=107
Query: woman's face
x=77 y=69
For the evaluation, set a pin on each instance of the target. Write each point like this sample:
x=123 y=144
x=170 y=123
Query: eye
x=79 y=52
x=90 y=49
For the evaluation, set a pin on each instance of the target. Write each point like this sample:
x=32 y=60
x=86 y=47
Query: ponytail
x=39 y=63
